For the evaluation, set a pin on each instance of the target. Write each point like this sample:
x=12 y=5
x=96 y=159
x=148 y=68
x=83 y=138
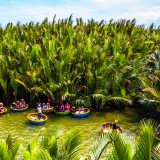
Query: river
x=17 y=123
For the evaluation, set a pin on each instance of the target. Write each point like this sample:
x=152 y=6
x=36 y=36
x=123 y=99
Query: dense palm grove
x=61 y=145
x=94 y=63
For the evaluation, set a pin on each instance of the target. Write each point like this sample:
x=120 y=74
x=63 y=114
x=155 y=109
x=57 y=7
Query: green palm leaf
x=72 y=145
x=99 y=97
x=146 y=141
x=13 y=151
x=53 y=148
x=22 y=83
x=85 y=101
x=25 y=154
x=3 y=84
x=47 y=137
x=122 y=149
x=100 y=145
x=12 y=146
x=3 y=151
x=119 y=100
x=40 y=154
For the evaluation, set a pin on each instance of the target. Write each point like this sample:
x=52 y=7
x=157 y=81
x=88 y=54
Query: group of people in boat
x=78 y=110
x=109 y=126
x=63 y=107
x=19 y=104
x=45 y=105
x=2 y=107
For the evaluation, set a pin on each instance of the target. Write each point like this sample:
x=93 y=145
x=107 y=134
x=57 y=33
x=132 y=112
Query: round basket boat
x=33 y=119
x=4 y=111
x=48 y=110
x=81 y=114
x=20 y=109
x=108 y=128
x=66 y=112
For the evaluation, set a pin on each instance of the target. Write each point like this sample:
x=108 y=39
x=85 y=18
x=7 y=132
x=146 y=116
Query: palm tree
x=146 y=145
x=56 y=59
x=9 y=148
x=55 y=145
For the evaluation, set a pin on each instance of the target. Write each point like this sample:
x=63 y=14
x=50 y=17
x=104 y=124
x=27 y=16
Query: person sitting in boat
x=22 y=103
x=44 y=106
x=82 y=109
x=78 y=110
x=115 y=125
x=18 y=105
x=48 y=105
x=106 y=127
x=1 y=107
x=73 y=109
x=39 y=109
x=57 y=108
x=67 y=107
x=13 y=105
x=158 y=131
x=62 y=108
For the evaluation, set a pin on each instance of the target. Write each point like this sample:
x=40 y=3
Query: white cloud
x=96 y=9
x=14 y=2
x=142 y=17
x=120 y=3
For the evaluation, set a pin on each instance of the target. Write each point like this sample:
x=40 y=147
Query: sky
x=145 y=12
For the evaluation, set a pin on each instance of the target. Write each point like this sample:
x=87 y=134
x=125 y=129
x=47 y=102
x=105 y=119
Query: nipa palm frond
x=119 y=100
x=85 y=101
x=122 y=149
x=145 y=142
x=72 y=144
x=100 y=145
x=151 y=91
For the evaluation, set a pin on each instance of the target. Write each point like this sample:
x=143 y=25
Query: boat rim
x=36 y=120
x=82 y=113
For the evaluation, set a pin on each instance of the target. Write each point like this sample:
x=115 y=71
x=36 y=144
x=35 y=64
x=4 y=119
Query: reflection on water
x=18 y=125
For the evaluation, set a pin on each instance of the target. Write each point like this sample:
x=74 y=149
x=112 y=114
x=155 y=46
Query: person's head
x=17 y=101
x=1 y=104
x=22 y=100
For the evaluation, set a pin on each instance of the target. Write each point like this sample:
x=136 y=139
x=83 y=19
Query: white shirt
x=39 y=110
